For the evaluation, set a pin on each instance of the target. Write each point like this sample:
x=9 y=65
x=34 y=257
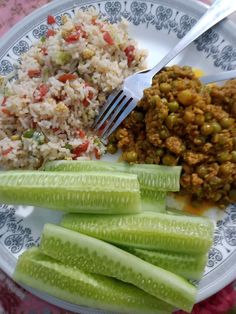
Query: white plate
x=157 y=25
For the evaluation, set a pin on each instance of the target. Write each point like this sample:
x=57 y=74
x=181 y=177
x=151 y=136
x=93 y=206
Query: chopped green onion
x=29 y=133
x=68 y=146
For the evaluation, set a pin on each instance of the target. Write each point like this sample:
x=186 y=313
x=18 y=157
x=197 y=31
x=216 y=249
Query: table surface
x=14 y=299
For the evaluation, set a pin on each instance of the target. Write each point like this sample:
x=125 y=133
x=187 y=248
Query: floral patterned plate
x=157 y=25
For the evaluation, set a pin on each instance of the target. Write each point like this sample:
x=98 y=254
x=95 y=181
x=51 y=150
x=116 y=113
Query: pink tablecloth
x=14 y=299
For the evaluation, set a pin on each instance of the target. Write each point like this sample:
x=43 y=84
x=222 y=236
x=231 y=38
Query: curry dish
x=179 y=121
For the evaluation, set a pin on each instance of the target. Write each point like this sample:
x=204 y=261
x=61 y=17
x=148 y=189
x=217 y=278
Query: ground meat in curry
x=181 y=122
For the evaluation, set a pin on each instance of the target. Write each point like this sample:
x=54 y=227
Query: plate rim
x=17 y=30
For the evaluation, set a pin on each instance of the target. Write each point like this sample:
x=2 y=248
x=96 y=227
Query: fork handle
x=218 y=77
x=216 y=12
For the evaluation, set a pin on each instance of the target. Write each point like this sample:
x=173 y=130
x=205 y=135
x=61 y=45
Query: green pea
x=216 y=127
x=207 y=129
x=185 y=97
x=219 y=139
x=155 y=100
x=160 y=152
x=223 y=156
x=165 y=87
x=226 y=122
x=233 y=154
x=171 y=120
x=131 y=156
x=199 y=119
x=164 y=134
x=173 y=106
x=111 y=148
x=169 y=160
x=199 y=140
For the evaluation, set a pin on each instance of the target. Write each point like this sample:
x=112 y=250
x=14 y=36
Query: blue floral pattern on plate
x=13 y=234
x=162 y=17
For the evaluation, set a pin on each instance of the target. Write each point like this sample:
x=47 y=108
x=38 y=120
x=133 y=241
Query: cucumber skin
x=151 y=177
x=73 y=192
x=43 y=273
x=147 y=230
x=188 y=266
x=95 y=256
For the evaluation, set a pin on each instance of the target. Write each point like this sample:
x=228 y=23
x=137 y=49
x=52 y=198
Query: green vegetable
x=35 y=135
x=62 y=57
x=43 y=39
x=226 y=122
x=95 y=256
x=148 y=230
x=190 y=266
x=131 y=156
x=111 y=148
x=207 y=129
x=73 y=285
x=173 y=106
x=153 y=200
x=165 y=87
x=171 y=120
x=153 y=177
x=77 y=192
x=29 y=133
x=68 y=146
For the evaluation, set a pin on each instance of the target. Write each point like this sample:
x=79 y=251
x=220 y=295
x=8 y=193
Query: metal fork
x=120 y=103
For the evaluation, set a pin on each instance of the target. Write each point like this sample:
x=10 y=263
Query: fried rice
x=62 y=81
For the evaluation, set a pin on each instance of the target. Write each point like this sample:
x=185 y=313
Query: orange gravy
x=193 y=208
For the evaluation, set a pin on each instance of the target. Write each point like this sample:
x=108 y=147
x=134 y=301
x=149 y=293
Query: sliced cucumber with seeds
x=154 y=180
x=75 y=192
x=190 y=266
x=152 y=177
x=95 y=256
x=152 y=231
x=73 y=285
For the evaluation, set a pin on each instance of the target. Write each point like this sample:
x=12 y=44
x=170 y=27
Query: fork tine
x=110 y=100
x=118 y=100
x=115 y=114
x=107 y=103
x=123 y=115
